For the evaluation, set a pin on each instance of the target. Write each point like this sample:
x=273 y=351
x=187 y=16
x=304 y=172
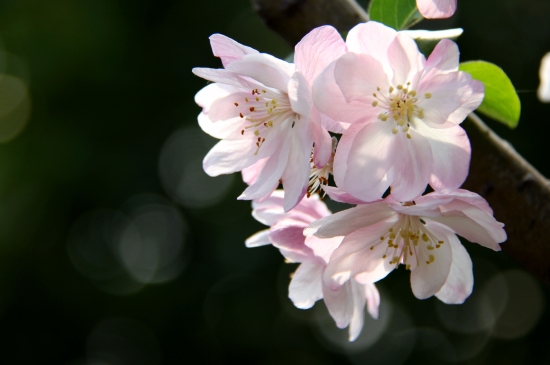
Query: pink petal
x=287 y=235
x=296 y=173
x=323 y=248
x=451 y=156
x=405 y=60
x=436 y=9
x=328 y=98
x=354 y=255
x=373 y=300
x=260 y=238
x=229 y=156
x=250 y=173
x=358 y=77
x=268 y=179
x=460 y=281
x=443 y=59
x=341 y=196
x=223 y=76
x=412 y=167
x=220 y=130
x=317 y=50
x=306 y=285
x=210 y=93
x=428 y=279
x=447 y=91
x=472 y=223
x=339 y=304
x=364 y=155
x=225 y=108
x=350 y=220
x=471 y=103
x=358 y=313
x=372 y=38
x=299 y=93
x=227 y=49
x=323 y=145
x=270 y=71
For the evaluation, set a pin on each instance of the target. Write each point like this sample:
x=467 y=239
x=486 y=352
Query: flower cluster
x=399 y=117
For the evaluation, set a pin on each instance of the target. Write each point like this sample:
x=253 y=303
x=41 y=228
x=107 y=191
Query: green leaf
x=501 y=101
x=398 y=14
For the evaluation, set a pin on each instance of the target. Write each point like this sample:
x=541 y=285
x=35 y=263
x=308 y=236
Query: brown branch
x=518 y=193
x=293 y=19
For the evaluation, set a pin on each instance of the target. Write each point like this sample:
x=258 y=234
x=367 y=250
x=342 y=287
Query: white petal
x=460 y=280
x=428 y=279
x=306 y=285
x=260 y=238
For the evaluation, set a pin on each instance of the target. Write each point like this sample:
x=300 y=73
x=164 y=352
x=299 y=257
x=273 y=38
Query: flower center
x=264 y=110
x=319 y=175
x=409 y=242
x=400 y=106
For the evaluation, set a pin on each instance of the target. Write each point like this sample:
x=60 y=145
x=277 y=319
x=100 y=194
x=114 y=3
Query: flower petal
x=229 y=156
x=317 y=50
x=306 y=285
x=270 y=71
x=472 y=223
x=460 y=281
x=227 y=49
x=443 y=59
x=211 y=92
x=412 y=168
x=260 y=238
x=405 y=60
x=428 y=279
x=296 y=173
x=436 y=9
x=328 y=98
x=472 y=102
x=359 y=76
x=372 y=38
x=350 y=220
x=447 y=91
x=220 y=130
x=448 y=144
x=364 y=155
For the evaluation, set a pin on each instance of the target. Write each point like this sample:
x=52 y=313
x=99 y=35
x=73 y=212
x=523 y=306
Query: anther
x=428 y=95
x=236 y=104
x=375 y=103
x=252 y=109
x=432 y=258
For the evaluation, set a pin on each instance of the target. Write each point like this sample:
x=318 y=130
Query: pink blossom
x=345 y=302
x=436 y=9
x=421 y=235
x=262 y=110
x=403 y=113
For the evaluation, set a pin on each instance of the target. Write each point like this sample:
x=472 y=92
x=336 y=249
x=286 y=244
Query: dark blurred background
x=115 y=247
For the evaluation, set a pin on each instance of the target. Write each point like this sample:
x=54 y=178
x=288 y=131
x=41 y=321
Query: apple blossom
x=436 y=9
x=420 y=234
x=345 y=302
x=262 y=110
x=403 y=113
